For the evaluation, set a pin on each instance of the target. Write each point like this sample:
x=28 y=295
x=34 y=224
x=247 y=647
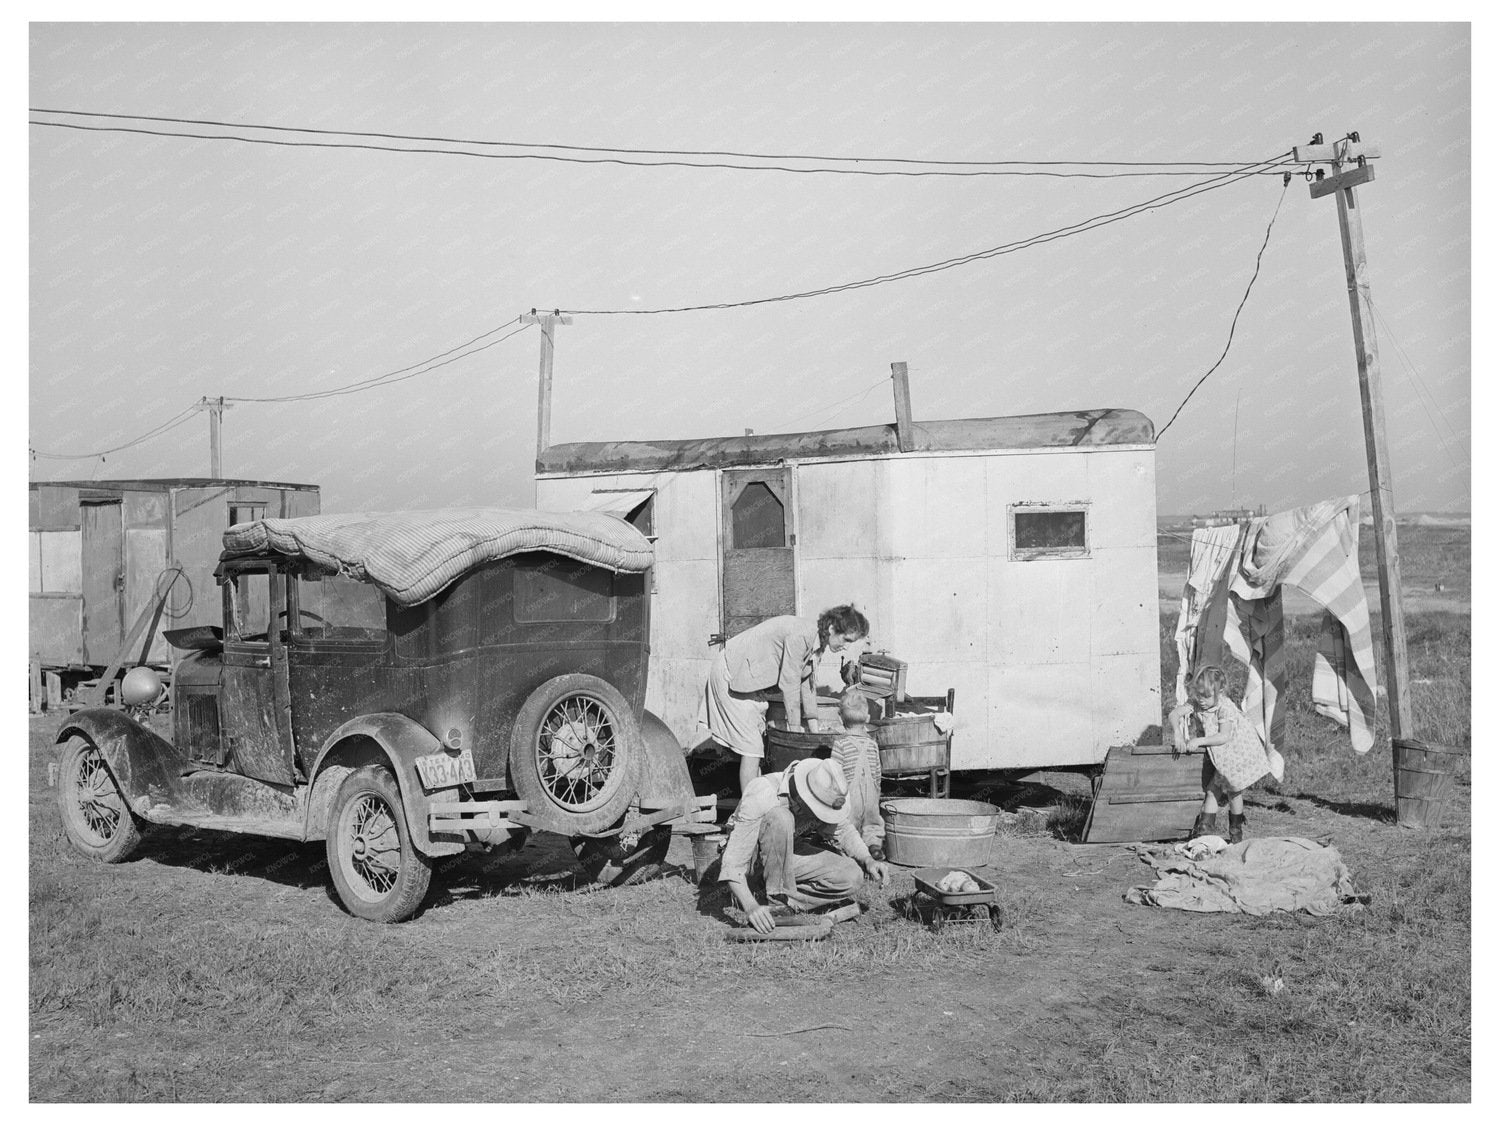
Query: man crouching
x=766 y=832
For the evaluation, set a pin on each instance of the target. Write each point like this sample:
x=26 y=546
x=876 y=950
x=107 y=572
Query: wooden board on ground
x=1145 y=793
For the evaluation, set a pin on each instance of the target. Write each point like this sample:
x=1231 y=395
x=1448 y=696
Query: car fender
x=387 y=739
x=664 y=773
x=146 y=766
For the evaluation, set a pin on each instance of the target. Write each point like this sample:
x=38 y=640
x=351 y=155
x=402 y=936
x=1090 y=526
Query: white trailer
x=1010 y=559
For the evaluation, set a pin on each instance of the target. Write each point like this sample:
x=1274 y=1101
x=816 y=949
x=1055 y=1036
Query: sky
x=163 y=270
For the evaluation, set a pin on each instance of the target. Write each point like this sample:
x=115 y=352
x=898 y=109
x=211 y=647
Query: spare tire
x=575 y=754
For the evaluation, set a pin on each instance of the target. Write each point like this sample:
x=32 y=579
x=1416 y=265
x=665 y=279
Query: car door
x=255 y=705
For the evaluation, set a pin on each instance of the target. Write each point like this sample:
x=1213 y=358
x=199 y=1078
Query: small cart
x=958 y=906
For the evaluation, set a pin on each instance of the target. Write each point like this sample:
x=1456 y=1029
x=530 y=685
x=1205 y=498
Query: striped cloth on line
x=413 y=556
x=1316 y=550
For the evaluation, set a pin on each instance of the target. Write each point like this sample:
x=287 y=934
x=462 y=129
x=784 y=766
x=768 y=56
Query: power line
x=1418 y=383
x=838 y=406
x=1235 y=320
x=606 y=160
x=170 y=424
x=390 y=377
x=386 y=380
x=1193 y=164
x=1092 y=223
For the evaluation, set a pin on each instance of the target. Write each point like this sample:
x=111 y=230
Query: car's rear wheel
x=378 y=873
x=621 y=862
x=95 y=815
x=575 y=753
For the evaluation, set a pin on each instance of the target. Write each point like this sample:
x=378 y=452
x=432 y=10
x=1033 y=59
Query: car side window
x=335 y=608
x=248 y=604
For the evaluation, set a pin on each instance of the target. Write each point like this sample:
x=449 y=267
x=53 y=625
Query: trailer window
x=1049 y=532
x=246 y=512
x=759 y=518
x=562 y=590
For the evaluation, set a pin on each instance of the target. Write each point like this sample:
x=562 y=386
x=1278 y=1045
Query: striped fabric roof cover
x=413 y=556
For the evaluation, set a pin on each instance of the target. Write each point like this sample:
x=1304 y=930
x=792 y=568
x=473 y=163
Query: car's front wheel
x=378 y=872
x=95 y=815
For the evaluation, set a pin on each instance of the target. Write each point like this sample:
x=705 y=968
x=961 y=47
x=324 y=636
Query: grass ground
x=215 y=967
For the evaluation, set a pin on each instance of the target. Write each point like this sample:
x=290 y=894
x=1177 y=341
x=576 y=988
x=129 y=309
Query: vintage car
x=404 y=687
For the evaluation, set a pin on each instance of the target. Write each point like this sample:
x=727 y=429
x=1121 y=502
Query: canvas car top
x=413 y=556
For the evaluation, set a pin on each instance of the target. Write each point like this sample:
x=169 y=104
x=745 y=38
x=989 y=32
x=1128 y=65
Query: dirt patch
x=217 y=967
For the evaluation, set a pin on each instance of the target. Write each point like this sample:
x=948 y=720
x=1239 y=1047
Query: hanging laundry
x=1316 y=550
x=1200 y=624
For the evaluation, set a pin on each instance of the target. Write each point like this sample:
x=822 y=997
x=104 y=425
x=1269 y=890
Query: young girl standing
x=1236 y=757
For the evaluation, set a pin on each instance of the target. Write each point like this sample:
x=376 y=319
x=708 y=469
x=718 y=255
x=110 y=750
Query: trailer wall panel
x=56 y=629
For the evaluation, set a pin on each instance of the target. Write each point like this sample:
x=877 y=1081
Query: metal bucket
x=1424 y=778
x=933 y=832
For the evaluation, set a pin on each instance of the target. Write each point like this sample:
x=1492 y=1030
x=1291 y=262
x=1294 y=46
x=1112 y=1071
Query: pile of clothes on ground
x=1259 y=876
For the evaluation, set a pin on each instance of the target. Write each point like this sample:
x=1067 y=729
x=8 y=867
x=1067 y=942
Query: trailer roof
x=162 y=484
x=1064 y=429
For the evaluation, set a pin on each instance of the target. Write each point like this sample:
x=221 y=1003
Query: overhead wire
x=427 y=139
x=822 y=413
x=400 y=375
x=620 y=161
x=1094 y=222
x=170 y=424
x=397 y=376
x=1235 y=320
x=1419 y=385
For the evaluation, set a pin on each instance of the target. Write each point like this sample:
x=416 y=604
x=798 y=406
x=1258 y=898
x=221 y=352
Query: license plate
x=443 y=771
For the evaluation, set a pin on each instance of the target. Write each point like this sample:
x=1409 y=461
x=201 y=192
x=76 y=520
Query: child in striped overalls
x=858 y=754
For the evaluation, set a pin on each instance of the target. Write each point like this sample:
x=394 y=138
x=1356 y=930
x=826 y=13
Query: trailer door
x=103 y=578
x=758 y=548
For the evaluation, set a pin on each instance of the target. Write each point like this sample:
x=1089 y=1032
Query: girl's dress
x=1240 y=762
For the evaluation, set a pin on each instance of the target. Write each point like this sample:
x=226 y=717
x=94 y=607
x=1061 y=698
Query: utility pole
x=546 y=322
x=215 y=408
x=1348 y=159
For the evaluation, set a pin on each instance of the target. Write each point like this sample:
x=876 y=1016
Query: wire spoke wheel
x=576 y=752
x=378 y=873
x=375 y=847
x=95 y=815
x=99 y=802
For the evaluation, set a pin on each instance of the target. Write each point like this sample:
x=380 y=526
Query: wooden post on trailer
x=902 y=390
x=546 y=322
x=1348 y=159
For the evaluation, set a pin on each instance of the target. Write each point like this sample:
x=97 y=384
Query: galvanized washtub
x=934 y=832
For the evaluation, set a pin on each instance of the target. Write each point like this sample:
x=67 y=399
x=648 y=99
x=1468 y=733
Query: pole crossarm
x=1362 y=174
x=1339 y=152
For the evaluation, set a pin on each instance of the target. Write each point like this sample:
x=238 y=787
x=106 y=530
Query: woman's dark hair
x=844 y=619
